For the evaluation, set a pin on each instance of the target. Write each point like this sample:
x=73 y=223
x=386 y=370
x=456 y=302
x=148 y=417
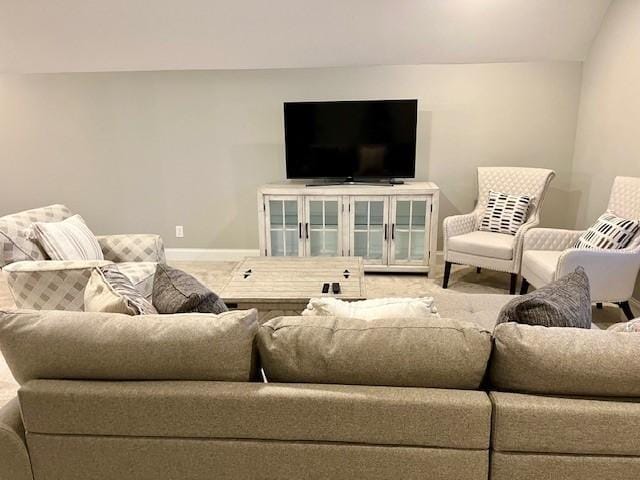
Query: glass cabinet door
x=323 y=226
x=409 y=229
x=284 y=227
x=369 y=229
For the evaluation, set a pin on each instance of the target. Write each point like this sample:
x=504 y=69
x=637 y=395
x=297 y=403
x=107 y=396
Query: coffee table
x=283 y=285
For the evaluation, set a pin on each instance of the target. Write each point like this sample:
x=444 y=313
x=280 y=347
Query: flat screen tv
x=350 y=140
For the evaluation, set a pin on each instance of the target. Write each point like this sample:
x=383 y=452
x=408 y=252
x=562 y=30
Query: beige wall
x=143 y=152
x=608 y=135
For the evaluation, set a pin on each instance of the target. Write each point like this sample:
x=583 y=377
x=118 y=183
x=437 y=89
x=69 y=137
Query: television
x=350 y=140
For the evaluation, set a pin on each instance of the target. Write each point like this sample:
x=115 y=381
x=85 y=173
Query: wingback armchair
x=42 y=284
x=465 y=244
x=549 y=253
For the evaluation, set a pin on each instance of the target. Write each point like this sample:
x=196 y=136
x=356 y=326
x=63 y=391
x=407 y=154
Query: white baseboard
x=209 y=254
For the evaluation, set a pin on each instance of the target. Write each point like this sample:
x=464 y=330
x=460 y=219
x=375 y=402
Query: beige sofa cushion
x=543 y=424
x=565 y=361
x=322 y=413
x=429 y=352
x=527 y=466
x=481 y=309
x=109 y=346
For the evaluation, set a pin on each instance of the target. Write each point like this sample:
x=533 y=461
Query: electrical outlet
x=179 y=231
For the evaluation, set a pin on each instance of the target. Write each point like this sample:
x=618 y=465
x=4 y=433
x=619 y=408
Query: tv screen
x=351 y=139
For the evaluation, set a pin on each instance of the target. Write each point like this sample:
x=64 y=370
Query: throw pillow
x=175 y=291
x=632 y=326
x=505 y=213
x=69 y=239
x=110 y=290
x=372 y=309
x=563 y=303
x=609 y=232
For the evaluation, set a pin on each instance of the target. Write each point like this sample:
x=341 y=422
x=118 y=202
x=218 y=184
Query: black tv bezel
x=368 y=177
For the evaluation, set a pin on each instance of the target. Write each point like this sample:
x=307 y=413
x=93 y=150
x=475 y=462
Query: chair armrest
x=459 y=225
x=550 y=239
x=50 y=284
x=37 y=266
x=14 y=457
x=132 y=248
x=612 y=273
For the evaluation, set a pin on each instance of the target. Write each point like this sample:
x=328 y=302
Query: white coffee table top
x=293 y=279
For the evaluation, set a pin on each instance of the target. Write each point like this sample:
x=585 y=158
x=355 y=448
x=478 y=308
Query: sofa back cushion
x=108 y=346
x=427 y=352
x=15 y=229
x=565 y=361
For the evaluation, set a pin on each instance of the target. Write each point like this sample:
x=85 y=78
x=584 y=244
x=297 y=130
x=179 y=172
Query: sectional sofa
x=107 y=397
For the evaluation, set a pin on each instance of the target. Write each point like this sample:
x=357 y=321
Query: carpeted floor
x=464 y=280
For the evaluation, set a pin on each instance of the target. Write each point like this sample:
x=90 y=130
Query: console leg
x=524 y=287
x=478 y=269
x=514 y=282
x=447 y=273
x=599 y=305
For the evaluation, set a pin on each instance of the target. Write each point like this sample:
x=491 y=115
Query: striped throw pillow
x=505 y=213
x=69 y=239
x=610 y=232
x=110 y=290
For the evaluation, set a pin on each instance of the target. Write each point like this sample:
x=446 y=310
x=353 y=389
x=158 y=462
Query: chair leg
x=447 y=273
x=599 y=305
x=626 y=308
x=514 y=282
x=524 y=287
x=478 y=270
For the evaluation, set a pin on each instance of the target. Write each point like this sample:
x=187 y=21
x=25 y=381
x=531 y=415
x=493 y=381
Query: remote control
x=336 y=288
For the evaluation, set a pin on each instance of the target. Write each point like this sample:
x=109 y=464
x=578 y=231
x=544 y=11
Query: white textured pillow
x=69 y=239
x=379 y=308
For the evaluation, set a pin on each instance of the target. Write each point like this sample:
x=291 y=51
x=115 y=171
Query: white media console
x=394 y=228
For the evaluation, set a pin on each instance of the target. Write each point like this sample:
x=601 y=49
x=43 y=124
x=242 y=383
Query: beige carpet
x=216 y=274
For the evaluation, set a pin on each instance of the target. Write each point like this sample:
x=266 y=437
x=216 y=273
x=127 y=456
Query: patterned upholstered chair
x=549 y=253
x=42 y=284
x=466 y=245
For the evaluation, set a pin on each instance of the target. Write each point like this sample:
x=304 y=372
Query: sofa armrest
x=612 y=273
x=132 y=248
x=50 y=284
x=39 y=266
x=550 y=239
x=14 y=457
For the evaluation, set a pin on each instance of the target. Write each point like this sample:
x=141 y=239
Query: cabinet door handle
x=393 y=231
x=306 y=229
x=385 y=231
x=299 y=229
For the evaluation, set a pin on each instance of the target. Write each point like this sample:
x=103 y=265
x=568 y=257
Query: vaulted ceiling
x=121 y=35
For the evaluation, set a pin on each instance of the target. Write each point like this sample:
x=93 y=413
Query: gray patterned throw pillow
x=175 y=291
x=563 y=303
